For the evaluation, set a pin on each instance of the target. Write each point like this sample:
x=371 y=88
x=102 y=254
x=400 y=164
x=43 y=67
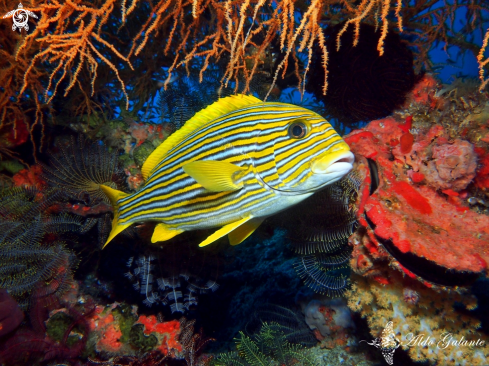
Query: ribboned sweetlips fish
x=231 y=165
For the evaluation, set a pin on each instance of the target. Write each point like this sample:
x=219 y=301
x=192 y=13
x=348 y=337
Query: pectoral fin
x=216 y=176
x=224 y=231
x=239 y=234
x=162 y=233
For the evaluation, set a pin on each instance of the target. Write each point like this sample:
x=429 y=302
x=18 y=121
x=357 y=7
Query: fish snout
x=337 y=164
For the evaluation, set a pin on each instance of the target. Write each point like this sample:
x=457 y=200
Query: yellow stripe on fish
x=233 y=164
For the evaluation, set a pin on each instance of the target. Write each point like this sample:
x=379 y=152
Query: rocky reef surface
x=423 y=211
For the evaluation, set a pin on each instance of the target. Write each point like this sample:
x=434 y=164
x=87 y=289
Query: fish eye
x=297 y=130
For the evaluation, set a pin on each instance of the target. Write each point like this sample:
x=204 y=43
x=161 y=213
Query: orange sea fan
x=66 y=39
x=71 y=45
x=483 y=62
x=233 y=27
x=236 y=25
x=13 y=108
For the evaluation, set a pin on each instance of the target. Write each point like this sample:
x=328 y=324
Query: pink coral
x=148 y=132
x=140 y=132
x=444 y=165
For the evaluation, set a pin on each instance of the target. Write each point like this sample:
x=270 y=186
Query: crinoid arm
x=323 y=222
x=31 y=264
x=83 y=166
x=325 y=279
x=319 y=229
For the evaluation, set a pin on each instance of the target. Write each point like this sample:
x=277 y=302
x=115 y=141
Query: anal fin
x=224 y=231
x=239 y=234
x=162 y=233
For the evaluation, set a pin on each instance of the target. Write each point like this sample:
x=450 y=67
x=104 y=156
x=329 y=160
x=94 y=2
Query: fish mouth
x=338 y=163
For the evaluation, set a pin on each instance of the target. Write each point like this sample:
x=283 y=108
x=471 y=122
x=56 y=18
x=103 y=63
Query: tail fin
x=114 y=196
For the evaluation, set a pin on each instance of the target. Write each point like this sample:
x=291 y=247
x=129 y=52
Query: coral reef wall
x=424 y=237
x=116 y=72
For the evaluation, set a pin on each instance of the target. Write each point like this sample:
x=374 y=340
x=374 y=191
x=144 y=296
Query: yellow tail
x=114 y=196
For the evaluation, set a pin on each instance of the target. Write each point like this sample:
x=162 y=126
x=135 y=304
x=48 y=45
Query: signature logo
x=388 y=343
x=20 y=17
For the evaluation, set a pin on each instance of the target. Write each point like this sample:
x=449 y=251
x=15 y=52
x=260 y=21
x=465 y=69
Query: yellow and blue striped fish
x=233 y=164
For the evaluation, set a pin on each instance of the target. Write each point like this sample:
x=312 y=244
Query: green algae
x=269 y=347
x=139 y=340
x=142 y=152
x=124 y=316
x=57 y=326
x=11 y=166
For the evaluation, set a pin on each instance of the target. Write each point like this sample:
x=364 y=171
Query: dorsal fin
x=213 y=111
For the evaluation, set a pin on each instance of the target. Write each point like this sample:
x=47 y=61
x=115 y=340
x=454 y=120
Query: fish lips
x=335 y=164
